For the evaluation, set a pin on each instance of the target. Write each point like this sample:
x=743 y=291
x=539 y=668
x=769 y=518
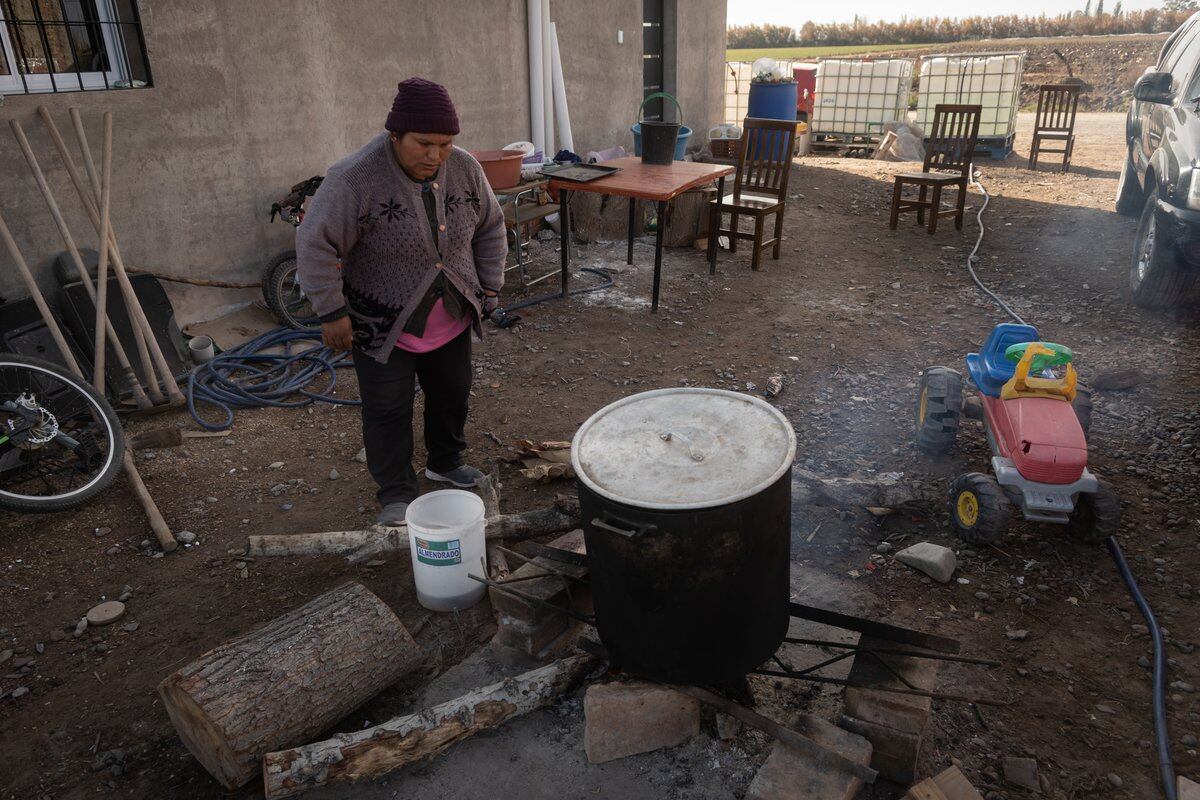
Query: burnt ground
x=848 y=316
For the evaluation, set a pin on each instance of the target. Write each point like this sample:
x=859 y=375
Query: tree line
x=943 y=29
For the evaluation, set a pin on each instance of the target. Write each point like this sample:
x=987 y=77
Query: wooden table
x=637 y=181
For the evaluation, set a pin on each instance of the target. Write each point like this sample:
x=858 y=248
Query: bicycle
x=281 y=290
x=61 y=443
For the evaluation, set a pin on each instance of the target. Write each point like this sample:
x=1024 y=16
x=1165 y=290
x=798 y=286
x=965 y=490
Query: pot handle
x=630 y=531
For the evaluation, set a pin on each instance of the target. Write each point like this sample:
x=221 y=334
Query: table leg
x=714 y=226
x=564 y=235
x=632 y=217
x=658 y=248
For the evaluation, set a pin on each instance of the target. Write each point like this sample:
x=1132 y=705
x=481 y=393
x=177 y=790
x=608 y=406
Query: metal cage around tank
x=856 y=97
x=990 y=80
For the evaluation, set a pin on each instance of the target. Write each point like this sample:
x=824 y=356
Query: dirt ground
x=848 y=316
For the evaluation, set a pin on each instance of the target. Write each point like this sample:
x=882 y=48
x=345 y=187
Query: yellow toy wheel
x=968 y=508
x=978 y=508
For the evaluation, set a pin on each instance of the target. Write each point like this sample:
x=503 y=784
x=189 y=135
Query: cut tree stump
x=376 y=751
x=287 y=681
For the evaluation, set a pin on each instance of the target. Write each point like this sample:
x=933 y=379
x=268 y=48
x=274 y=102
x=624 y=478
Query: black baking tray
x=580 y=173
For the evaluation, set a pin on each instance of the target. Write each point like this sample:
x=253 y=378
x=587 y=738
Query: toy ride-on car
x=1035 y=418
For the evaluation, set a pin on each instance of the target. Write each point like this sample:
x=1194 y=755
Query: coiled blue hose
x=248 y=377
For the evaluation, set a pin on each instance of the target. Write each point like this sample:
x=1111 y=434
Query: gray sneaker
x=463 y=477
x=392 y=515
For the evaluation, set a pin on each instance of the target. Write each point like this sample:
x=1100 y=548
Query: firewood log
x=288 y=681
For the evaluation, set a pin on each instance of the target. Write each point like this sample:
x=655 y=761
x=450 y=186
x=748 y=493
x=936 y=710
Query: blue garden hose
x=248 y=377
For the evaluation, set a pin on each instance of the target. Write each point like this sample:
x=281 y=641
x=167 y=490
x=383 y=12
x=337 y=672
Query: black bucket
x=658 y=141
x=659 y=138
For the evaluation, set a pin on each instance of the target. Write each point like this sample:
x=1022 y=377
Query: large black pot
x=686 y=503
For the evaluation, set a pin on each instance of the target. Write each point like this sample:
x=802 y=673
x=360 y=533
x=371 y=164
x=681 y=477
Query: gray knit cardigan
x=365 y=243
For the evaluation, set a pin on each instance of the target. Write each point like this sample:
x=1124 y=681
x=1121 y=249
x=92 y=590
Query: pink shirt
x=440 y=328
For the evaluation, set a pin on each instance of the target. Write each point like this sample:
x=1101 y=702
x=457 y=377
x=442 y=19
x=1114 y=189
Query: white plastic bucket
x=446 y=542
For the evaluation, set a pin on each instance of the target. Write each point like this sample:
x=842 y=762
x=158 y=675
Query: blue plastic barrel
x=772 y=100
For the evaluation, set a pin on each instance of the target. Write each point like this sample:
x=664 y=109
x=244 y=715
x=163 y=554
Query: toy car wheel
x=978 y=508
x=938 y=409
x=1083 y=408
x=1096 y=516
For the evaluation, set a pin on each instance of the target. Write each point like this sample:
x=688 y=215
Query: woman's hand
x=491 y=301
x=338 y=334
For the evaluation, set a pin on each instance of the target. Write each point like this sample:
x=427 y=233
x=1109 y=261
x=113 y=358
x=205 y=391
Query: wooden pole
x=151 y=379
x=157 y=523
x=102 y=267
x=139 y=395
x=36 y=294
x=162 y=531
x=136 y=313
x=377 y=751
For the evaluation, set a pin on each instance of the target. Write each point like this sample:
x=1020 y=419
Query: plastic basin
x=502 y=168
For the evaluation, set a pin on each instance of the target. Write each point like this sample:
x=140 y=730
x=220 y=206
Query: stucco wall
x=250 y=98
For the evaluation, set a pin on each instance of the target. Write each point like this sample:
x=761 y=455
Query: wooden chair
x=759 y=187
x=949 y=150
x=1055 y=121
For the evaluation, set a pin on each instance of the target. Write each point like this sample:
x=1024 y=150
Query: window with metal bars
x=71 y=46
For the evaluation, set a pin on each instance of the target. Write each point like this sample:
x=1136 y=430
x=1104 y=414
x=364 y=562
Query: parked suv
x=1160 y=180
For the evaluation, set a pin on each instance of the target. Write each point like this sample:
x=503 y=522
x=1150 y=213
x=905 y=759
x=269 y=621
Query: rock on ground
x=630 y=717
x=934 y=560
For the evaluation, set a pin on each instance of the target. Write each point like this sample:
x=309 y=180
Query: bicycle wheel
x=284 y=295
x=60 y=441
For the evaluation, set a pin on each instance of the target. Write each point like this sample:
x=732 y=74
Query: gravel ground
x=848 y=317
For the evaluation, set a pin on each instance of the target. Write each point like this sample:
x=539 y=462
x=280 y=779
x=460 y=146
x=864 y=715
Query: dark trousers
x=387 y=406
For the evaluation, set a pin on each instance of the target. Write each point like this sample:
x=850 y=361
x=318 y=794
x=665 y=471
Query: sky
x=794 y=14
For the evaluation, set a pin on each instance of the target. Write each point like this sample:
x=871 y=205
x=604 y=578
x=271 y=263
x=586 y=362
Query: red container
x=502 y=168
x=806 y=87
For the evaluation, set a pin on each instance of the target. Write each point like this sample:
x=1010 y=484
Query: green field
x=752 y=54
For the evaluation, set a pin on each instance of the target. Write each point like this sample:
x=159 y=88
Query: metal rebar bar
x=842 y=682
x=987 y=662
x=500 y=587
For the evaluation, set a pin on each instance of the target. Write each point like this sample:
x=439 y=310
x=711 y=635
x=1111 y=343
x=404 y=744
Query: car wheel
x=1129 y=193
x=1154 y=279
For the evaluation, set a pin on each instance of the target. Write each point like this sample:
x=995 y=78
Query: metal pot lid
x=683 y=448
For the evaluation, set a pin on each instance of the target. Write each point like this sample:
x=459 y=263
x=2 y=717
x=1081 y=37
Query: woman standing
x=401 y=253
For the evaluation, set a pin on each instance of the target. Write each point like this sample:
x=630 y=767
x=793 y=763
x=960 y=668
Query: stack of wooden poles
x=157 y=386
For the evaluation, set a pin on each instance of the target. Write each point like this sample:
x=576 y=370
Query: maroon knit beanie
x=422 y=106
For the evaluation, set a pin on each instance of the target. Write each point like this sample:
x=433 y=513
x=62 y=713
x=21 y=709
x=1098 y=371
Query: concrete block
x=1022 y=772
x=934 y=560
x=549 y=589
x=905 y=712
x=1188 y=789
x=950 y=784
x=893 y=752
x=789 y=774
x=630 y=717
x=530 y=638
